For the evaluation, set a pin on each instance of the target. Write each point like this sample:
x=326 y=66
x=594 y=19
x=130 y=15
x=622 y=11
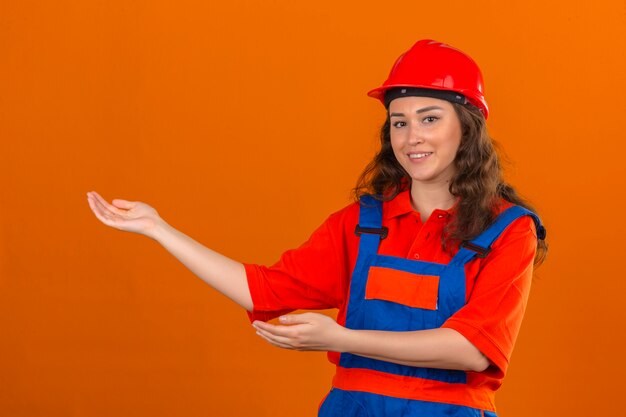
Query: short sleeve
x=313 y=276
x=492 y=316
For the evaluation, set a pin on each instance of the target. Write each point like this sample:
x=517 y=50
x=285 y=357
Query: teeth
x=419 y=155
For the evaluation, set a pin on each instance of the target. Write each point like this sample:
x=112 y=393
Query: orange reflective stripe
x=366 y=380
x=402 y=287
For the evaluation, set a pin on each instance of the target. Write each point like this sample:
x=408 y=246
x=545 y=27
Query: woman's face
x=425 y=136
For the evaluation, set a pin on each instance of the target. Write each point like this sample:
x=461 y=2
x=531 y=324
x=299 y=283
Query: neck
x=425 y=198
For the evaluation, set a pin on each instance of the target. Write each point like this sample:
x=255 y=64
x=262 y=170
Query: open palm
x=130 y=216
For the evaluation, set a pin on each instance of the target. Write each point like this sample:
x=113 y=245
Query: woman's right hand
x=224 y=274
x=130 y=216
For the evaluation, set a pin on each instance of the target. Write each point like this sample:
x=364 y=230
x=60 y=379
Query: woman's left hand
x=307 y=331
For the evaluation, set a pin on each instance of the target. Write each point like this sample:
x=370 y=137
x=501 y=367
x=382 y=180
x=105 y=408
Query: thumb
x=123 y=204
x=293 y=319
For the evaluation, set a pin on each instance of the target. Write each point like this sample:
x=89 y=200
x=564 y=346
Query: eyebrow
x=422 y=110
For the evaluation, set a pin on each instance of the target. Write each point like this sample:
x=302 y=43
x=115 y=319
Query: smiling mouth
x=419 y=155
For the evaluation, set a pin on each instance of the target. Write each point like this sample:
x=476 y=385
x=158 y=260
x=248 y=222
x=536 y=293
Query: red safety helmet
x=434 y=65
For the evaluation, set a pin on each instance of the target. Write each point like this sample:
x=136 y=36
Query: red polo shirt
x=317 y=276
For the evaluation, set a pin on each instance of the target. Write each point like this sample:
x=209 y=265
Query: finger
x=105 y=204
x=104 y=218
x=123 y=204
x=278 y=330
x=280 y=345
x=291 y=319
x=280 y=342
x=94 y=204
x=101 y=208
x=94 y=195
x=101 y=201
x=103 y=214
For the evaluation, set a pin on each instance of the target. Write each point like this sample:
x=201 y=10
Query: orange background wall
x=245 y=123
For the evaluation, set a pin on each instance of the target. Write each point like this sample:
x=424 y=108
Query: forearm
x=220 y=272
x=437 y=348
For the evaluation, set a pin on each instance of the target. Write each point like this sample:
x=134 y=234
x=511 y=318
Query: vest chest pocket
x=402 y=287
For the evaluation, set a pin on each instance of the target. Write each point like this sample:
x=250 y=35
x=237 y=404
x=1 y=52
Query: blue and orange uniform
x=392 y=273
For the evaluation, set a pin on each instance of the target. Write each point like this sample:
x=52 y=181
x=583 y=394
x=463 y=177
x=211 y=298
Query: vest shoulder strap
x=480 y=246
x=371 y=212
x=370 y=227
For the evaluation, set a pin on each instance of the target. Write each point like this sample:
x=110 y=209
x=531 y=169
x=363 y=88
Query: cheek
x=454 y=148
x=453 y=142
x=396 y=145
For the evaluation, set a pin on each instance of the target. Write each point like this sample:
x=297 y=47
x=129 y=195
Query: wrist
x=159 y=230
x=346 y=340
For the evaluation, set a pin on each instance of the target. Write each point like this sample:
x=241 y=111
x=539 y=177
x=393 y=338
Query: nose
x=415 y=135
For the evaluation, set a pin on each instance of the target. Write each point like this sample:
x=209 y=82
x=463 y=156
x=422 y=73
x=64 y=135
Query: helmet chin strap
x=447 y=95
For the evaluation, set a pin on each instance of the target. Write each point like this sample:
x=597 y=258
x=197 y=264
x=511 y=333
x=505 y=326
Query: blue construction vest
x=379 y=314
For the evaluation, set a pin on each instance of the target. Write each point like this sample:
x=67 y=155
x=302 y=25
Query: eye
x=398 y=124
x=430 y=119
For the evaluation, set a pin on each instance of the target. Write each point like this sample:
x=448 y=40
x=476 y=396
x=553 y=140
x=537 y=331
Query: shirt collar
x=401 y=205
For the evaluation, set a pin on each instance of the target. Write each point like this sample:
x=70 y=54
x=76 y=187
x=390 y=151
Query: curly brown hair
x=478 y=183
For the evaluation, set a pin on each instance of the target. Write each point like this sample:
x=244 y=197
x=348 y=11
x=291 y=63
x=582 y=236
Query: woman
x=430 y=269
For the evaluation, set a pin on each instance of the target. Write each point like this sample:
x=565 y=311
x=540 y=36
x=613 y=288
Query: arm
x=479 y=336
x=224 y=274
x=492 y=317
x=436 y=348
